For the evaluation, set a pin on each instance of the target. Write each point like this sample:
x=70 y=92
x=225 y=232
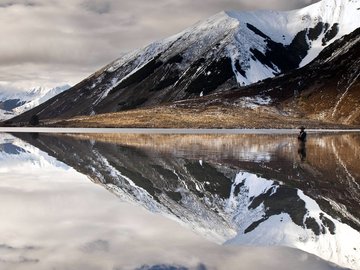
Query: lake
x=171 y=200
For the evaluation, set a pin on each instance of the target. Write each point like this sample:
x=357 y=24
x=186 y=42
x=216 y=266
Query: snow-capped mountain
x=327 y=89
x=43 y=96
x=228 y=50
x=12 y=104
x=260 y=200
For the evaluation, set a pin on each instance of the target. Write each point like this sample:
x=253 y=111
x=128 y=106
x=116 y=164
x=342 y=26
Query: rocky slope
x=328 y=89
x=325 y=93
x=225 y=51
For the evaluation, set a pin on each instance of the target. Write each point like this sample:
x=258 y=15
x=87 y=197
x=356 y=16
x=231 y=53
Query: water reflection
x=331 y=169
x=238 y=189
x=302 y=150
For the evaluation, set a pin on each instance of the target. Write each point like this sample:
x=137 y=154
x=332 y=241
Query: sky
x=54 y=42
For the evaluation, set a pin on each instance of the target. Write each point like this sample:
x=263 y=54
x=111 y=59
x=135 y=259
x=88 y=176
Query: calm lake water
x=179 y=201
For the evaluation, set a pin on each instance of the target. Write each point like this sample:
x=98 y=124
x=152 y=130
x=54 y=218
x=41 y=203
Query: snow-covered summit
x=282 y=26
x=309 y=30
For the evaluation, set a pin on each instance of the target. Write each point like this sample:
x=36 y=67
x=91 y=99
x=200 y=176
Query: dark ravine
x=286 y=57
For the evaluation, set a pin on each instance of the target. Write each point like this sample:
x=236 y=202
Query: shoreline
x=167 y=130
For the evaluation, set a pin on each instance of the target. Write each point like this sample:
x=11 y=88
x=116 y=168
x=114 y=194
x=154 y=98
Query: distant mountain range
x=12 y=104
x=243 y=52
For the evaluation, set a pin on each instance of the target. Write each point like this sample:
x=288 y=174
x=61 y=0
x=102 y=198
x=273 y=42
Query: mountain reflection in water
x=239 y=189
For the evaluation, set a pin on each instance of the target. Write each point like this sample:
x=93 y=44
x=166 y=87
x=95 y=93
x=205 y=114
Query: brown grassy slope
x=340 y=103
x=212 y=116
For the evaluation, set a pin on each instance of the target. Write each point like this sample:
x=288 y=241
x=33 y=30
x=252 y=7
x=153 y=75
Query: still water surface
x=179 y=201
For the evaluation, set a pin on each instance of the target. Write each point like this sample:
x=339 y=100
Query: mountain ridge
x=322 y=94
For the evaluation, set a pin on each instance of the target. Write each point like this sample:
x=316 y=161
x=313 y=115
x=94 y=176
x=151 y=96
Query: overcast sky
x=53 y=42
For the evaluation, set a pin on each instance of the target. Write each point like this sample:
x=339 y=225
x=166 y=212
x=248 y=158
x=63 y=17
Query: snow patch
x=254 y=102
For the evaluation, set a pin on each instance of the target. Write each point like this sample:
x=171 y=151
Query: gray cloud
x=97 y=6
x=19 y=260
x=96 y=246
x=162 y=267
x=46 y=42
x=10 y=3
x=8 y=247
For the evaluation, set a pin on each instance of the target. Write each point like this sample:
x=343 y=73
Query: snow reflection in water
x=215 y=185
